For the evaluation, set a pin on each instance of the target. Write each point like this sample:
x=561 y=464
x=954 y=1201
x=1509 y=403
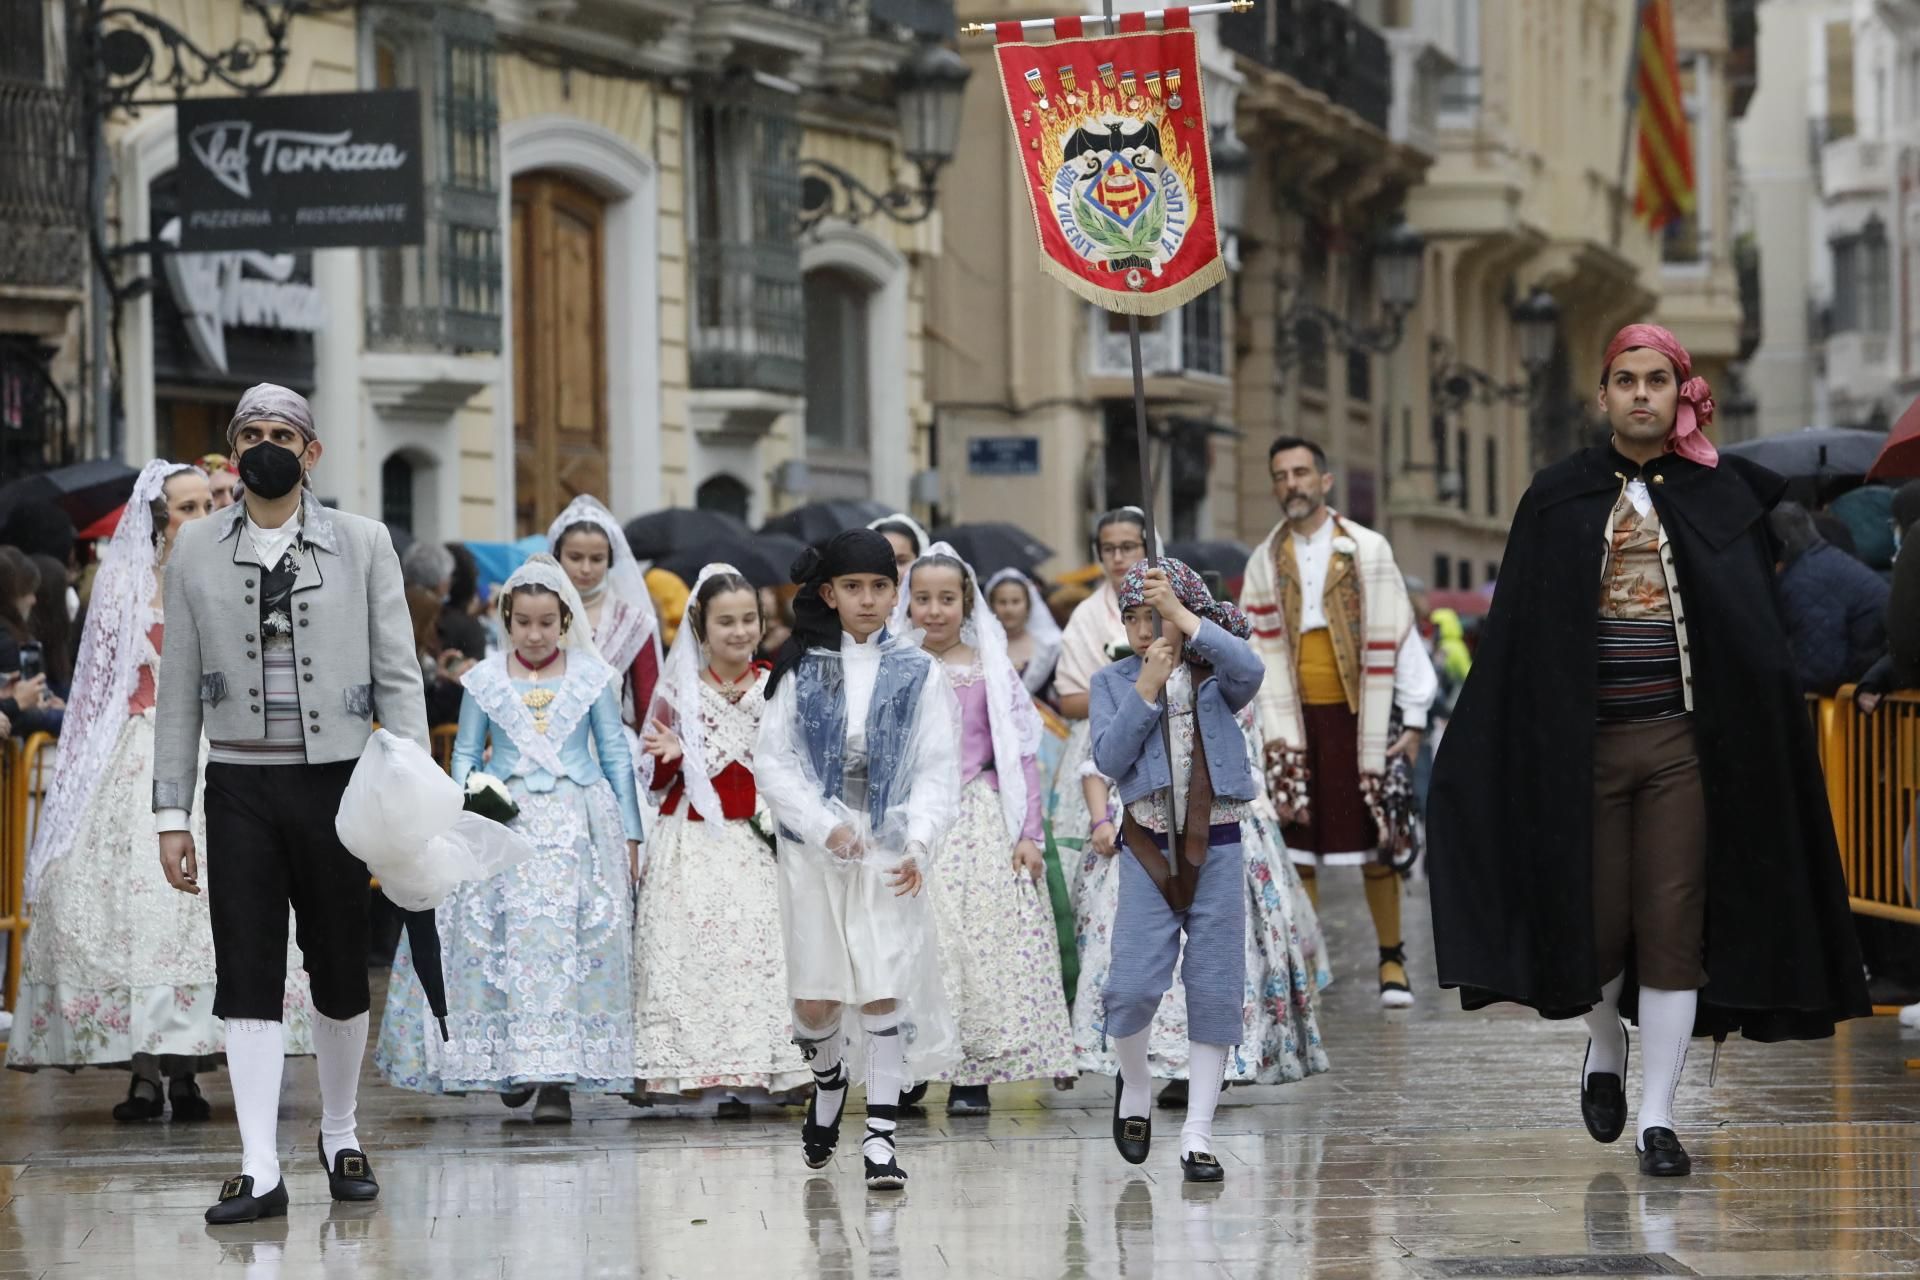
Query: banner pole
x=1147 y=496
x=1035 y=24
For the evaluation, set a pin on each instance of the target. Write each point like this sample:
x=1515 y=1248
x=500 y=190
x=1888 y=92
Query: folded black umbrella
x=818 y=521
x=990 y=546
x=423 y=940
x=762 y=558
x=1223 y=556
x=85 y=491
x=658 y=534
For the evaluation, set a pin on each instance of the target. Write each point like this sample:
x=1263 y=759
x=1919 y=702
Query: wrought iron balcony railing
x=1324 y=46
x=42 y=188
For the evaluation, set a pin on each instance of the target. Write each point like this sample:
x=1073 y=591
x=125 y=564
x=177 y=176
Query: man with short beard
x=1344 y=704
x=1627 y=815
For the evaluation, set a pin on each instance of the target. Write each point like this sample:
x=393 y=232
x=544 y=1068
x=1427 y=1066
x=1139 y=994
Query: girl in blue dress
x=537 y=959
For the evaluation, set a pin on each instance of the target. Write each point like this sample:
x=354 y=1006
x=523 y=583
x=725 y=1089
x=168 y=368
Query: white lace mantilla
x=731 y=728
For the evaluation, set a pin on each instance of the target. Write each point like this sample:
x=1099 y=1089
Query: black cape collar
x=1718 y=502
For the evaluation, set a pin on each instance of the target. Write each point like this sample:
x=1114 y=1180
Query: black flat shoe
x=1662 y=1156
x=915 y=1096
x=350 y=1176
x=238 y=1204
x=1202 y=1167
x=1174 y=1096
x=817 y=1140
x=186 y=1101
x=514 y=1099
x=1603 y=1100
x=731 y=1108
x=143 y=1102
x=968 y=1100
x=1132 y=1135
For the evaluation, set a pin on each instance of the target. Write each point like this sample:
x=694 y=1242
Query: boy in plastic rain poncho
x=858 y=761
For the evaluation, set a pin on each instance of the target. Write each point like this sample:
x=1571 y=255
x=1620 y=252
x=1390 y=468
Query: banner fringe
x=1128 y=303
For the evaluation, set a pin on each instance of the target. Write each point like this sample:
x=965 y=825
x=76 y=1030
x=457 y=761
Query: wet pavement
x=1442 y=1144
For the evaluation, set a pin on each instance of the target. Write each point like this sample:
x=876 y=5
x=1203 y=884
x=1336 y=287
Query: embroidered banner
x=1112 y=139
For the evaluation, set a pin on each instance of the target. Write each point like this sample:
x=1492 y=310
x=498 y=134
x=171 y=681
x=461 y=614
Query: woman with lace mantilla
x=709 y=969
x=589 y=544
x=119 y=969
x=537 y=958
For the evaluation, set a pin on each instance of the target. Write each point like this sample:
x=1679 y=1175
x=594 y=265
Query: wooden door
x=559 y=348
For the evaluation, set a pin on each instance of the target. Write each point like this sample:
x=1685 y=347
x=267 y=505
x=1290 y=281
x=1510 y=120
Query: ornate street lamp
x=930 y=88
x=1232 y=162
x=1399 y=258
x=1537 y=320
x=1399 y=262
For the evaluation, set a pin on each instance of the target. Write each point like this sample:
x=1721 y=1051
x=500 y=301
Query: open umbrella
x=423 y=939
x=991 y=546
x=658 y=534
x=103 y=527
x=1223 y=556
x=1900 y=457
x=818 y=521
x=1814 y=453
x=762 y=558
x=85 y=491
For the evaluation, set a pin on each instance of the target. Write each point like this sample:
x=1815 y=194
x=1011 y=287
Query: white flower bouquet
x=488 y=796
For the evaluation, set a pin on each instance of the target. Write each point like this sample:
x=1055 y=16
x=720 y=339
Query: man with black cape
x=1627 y=814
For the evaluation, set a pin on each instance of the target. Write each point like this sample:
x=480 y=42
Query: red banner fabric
x=1069 y=28
x=1112 y=139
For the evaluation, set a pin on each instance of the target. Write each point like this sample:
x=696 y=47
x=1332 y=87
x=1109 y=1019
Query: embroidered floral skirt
x=537 y=963
x=999 y=954
x=709 y=963
x=1280 y=1035
x=118 y=961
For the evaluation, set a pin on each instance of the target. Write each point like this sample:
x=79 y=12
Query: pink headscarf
x=1689 y=440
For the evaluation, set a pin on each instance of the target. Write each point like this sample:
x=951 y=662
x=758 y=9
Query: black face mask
x=269 y=470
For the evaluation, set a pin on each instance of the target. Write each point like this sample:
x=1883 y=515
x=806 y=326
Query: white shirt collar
x=270 y=544
x=1321 y=536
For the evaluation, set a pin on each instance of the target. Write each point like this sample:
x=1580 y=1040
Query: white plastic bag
x=403 y=816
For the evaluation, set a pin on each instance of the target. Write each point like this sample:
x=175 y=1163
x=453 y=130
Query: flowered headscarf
x=1193 y=593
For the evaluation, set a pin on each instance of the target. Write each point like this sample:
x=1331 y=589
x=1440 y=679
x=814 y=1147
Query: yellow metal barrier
x=442 y=737
x=26 y=773
x=1872 y=767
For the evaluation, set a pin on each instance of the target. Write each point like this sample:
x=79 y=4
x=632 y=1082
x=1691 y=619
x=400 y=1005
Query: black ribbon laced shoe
x=1394 y=993
x=1132 y=1135
x=1603 y=1100
x=882 y=1175
x=1662 y=1156
x=238 y=1204
x=817 y=1141
x=143 y=1102
x=350 y=1176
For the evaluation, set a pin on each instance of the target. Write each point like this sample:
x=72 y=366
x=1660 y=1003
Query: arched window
x=723 y=493
x=396 y=492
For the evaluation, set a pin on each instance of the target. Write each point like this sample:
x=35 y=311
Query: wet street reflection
x=1442 y=1144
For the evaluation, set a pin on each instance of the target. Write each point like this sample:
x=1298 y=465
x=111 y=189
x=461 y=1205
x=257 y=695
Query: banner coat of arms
x=1111 y=136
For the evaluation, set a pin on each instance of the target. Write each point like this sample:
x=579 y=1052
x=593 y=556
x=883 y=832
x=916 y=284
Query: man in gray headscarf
x=287 y=638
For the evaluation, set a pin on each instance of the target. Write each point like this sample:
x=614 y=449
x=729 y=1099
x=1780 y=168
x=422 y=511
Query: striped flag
x=1663 y=178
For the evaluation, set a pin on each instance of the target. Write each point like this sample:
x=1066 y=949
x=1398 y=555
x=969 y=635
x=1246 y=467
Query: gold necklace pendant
x=537 y=701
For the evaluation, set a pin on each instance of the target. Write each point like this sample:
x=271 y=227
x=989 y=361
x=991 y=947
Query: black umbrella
x=85 y=491
x=818 y=521
x=762 y=558
x=658 y=534
x=990 y=546
x=423 y=939
x=1814 y=453
x=1223 y=556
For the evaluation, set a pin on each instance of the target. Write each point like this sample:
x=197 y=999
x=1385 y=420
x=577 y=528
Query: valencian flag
x=1663 y=177
x=1112 y=139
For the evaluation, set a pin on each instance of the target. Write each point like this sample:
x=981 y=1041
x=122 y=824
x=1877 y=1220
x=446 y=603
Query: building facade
x=618 y=292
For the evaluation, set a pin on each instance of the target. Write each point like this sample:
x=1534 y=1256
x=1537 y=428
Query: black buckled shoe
x=1662 y=1156
x=238 y=1204
x=186 y=1101
x=143 y=1102
x=1132 y=1135
x=817 y=1140
x=1200 y=1166
x=1603 y=1100
x=350 y=1176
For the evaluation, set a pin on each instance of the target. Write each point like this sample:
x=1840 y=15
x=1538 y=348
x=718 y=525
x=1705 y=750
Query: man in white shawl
x=1344 y=705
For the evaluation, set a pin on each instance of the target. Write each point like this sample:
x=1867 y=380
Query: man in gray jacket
x=287 y=638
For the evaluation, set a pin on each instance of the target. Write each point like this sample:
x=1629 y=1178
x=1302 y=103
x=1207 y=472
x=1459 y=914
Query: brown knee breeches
x=1649 y=853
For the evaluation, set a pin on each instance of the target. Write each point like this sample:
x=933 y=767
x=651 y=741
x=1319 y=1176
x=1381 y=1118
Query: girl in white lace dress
x=710 y=1005
x=119 y=968
x=590 y=546
x=999 y=953
x=538 y=958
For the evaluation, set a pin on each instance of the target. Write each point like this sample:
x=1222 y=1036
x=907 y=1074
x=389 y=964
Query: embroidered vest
x=821 y=701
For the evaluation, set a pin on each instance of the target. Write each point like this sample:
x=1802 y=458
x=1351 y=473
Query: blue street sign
x=1003 y=456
